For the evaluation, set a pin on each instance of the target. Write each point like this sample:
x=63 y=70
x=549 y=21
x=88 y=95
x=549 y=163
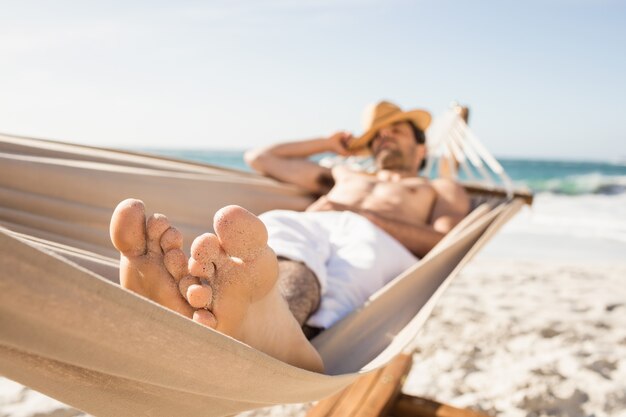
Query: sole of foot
x=152 y=261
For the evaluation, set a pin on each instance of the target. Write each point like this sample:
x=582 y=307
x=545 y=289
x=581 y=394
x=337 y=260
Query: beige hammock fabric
x=68 y=330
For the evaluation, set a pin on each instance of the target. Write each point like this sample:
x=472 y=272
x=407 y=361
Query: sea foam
x=592 y=183
x=596 y=216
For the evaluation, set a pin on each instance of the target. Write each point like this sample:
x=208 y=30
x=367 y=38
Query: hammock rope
x=451 y=141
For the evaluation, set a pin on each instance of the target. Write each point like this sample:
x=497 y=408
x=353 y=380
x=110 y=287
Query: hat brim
x=420 y=118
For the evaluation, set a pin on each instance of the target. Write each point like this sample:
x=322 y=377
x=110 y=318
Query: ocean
x=576 y=202
x=553 y=176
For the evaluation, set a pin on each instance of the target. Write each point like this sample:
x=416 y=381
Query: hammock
x=68 y=330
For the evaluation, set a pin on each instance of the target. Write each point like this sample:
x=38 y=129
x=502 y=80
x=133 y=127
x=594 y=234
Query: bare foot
x=152 y=261
x=234 y=285
x=245 y=302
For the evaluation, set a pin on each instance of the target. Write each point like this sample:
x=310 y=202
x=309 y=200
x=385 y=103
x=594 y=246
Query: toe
x=174 y=258
x=240 y=232
x=186 y=282
x=156 y=226
x=128 y=228
x=176 y=264
x=171 y=239
x=199 y=296
x=206 y=256
x=205 y=317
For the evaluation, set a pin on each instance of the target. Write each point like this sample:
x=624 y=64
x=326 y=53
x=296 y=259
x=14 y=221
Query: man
x=414 y=211
x=361 y=232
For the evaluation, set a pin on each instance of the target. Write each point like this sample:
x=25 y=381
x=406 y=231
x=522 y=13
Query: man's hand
x=373 y=217
x=418 y=238
x=339 y=143
x=324 y=204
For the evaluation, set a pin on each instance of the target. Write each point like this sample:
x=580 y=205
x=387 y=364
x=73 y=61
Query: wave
x=593 y=183
x=589 y=216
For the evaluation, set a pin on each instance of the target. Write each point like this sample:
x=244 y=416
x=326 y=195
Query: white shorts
x=351 y=257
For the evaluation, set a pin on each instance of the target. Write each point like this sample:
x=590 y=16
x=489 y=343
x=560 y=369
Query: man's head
x=395 y=137
x=399 y=146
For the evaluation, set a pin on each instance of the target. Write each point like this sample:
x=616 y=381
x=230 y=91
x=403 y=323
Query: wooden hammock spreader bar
x=379 y=394
x=496 y=191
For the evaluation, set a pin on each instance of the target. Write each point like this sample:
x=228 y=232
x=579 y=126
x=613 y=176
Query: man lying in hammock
x=362 y=231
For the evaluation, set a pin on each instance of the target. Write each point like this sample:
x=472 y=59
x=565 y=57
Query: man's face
x=394 y=148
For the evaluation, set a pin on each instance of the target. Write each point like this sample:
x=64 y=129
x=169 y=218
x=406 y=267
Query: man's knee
x=300 y=288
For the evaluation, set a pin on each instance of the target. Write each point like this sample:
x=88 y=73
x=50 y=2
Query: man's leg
x=301 y=289
x=234 y=284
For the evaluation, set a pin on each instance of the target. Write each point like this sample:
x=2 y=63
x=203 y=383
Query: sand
x=527 y=329
x=535 y=340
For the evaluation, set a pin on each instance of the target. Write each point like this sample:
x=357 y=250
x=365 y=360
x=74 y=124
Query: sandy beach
x=543 y=339
x=533 y=326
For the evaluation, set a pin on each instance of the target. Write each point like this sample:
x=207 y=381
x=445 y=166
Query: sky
x=543 y=79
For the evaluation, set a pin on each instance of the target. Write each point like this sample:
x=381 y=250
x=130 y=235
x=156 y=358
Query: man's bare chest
x=411 y=198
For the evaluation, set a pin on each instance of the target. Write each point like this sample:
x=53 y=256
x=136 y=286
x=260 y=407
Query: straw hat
x=384 y=113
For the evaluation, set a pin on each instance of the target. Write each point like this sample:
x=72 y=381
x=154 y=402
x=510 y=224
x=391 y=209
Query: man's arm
x=288 y=162
x=451 y=206
x=419 y=239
